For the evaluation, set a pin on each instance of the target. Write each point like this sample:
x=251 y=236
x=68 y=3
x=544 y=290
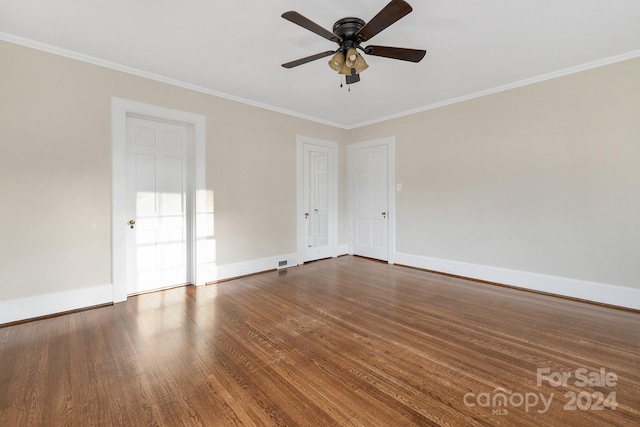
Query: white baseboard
x=591 y=291
x=59 y=302
x=19 y=309
x=212 y=272
x=342 y=250
x=47 y=304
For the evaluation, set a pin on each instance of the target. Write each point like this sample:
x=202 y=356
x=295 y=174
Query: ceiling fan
x=349 y=33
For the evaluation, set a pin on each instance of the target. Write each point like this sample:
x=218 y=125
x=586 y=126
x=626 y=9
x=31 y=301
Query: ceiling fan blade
x=389 y=14
x=308 y=59
x=308 y=24
x=411 y=55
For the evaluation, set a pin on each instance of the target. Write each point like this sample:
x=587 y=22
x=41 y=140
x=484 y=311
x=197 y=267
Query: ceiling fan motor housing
x=346 y=29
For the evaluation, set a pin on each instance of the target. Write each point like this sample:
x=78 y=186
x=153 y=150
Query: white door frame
x=333 y=195
x=120 y=109
x=390 y=142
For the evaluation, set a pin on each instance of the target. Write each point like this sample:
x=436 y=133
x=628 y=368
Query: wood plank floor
x=340 y=342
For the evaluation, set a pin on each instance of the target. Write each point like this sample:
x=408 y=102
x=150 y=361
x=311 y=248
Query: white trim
x=391 y=191
x=301 y=140
x=503 y=88
x=151 y=76
x=390 y=142
x=47 y=304
x=120 y=108
x=342 y=250
x=591 y=291
x=133 y=71
x=213 y=272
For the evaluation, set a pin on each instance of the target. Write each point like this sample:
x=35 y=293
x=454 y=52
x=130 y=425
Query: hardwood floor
x=340 y=342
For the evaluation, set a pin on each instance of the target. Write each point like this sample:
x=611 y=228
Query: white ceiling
x=234 y=48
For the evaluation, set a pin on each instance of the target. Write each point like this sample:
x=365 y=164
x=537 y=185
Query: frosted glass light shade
x=337 y=61
x=351 y=57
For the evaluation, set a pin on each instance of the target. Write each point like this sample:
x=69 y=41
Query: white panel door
x=370 y=216
x=318 y=199
x=156 y=242
x=317 y=227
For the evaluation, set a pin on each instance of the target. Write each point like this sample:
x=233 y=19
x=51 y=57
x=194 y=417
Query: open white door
x=317 y=199
x=371 y=196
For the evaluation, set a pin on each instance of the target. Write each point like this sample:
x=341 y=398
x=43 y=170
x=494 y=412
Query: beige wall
x=55 y=148
x=543 y=178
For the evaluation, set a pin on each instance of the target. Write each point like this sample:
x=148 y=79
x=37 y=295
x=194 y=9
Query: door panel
x=317 y=180
x=319 y=208
x=370 y=202
x=156 y=245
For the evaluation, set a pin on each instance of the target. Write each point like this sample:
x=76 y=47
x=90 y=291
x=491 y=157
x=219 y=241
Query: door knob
x=132 y=223
x=306 y=215
x=384 y=214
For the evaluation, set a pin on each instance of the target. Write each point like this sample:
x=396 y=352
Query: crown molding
x=549 y=76
x=157 y=77
x=163 y=79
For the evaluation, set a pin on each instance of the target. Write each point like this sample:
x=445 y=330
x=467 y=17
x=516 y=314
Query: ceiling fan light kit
x=349 y=33
x=360 y=64
x=345 y=70
x=337 y=61
x=350 y=58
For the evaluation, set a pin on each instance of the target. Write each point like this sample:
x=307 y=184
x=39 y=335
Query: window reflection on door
x=157 y=182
